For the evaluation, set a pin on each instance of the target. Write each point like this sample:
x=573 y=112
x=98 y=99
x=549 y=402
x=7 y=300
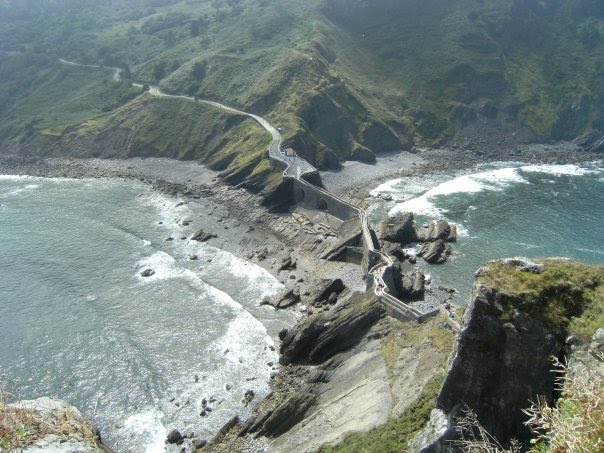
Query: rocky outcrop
x=438 y=230
x=325 y=288
x=412 y=285
x=499 y=365
x=284 y=416
x=322 y=335
x=66 y=429
x=285 y=299
x=399 y=229
x=593 y=141
x=202 y=236
x=503 y=356
x=287 y=264
x=434 y=252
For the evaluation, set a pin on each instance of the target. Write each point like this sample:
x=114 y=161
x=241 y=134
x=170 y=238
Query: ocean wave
x=146 y=428
x=563 y=170
x=253 y=278
x=497 y=179
x=19 y=190
x=169 y=210
x=387 y=187
x=16 y=177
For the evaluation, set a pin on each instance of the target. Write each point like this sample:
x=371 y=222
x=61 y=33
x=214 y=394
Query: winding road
x=295 y=167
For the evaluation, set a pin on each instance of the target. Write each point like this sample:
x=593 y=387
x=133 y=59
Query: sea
x=503 y=209
x=138 y=355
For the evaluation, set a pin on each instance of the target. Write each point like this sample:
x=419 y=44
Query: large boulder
x=324 y=288
x=202 y=236
x=399 y=229
x=412 y=286
x=438 y=230
x=434 y=252
x=285 y=299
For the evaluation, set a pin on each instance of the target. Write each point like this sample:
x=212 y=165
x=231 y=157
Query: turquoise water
x=78 y=322
x=505 y=210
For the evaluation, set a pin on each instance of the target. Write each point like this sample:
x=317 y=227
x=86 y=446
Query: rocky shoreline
x=308 y=372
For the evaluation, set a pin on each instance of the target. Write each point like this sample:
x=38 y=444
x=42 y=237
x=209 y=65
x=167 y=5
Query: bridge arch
x=322 y=204
x=300 y=195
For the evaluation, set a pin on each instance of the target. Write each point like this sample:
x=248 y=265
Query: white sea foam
x=245 y=339
x=147 y=427
x=497 y=179
x=561 y=170
x=15 y=177
x=387 y=187
x=162 y=264
x=248 y=274
x=19 y=190
x=462 y=231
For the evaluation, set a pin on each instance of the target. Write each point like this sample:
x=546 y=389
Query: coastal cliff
x=521 y=316
x=387 y=385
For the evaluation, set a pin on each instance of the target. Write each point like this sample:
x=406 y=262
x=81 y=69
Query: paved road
x=295 y=166
x=117 y=72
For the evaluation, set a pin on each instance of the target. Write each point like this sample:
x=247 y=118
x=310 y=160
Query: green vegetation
x=344 y=78
x=396 y=433
x=576 y=423
x=399 y=430
x=409 y=335
x=568 y=297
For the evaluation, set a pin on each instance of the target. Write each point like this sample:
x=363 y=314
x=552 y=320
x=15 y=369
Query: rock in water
x=434 y=252
x=174 y=437
x=438 y=230
x=249 y=396
x=147 y=273
x=399 y=229
x=202 y=236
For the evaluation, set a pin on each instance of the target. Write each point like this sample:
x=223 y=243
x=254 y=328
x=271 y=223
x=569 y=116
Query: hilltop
x=345 y=79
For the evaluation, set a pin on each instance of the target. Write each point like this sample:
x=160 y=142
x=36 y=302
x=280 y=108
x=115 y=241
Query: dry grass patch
x=21 y=425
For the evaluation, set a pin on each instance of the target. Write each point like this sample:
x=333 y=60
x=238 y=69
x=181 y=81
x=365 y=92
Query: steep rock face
x=325 y=334
x=499 y=366
x=520 y=316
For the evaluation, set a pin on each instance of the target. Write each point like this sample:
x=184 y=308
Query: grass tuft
x=22 y=426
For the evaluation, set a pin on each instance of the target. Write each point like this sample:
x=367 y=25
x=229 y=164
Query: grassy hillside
x=344 y=78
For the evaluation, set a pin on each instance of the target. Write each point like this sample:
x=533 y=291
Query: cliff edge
x=521 y=316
